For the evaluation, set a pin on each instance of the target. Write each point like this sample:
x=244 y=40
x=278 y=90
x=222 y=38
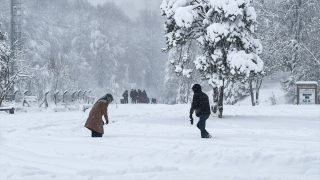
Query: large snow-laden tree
x=225 y=30
x=12 y=66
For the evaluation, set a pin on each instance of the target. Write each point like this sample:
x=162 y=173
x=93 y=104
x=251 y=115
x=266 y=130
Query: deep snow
x=157 y=142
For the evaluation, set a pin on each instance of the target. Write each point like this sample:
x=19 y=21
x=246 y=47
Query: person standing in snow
x=201 y=106
x=125 y=97
x=134 y=96
x=94 y=122
x=138 y=97
x=143 y=97
x=131 y=96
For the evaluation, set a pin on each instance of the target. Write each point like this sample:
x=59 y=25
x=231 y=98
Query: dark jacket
x=200 y=102
x=125 y=95
x=131 y=94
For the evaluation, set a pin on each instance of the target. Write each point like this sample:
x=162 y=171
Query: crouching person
x=94 y=122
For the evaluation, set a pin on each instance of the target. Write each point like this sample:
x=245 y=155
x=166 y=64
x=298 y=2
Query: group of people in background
x=136 y=96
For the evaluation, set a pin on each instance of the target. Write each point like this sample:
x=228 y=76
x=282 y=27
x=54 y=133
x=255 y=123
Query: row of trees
x=74 y=45
x=291 y=38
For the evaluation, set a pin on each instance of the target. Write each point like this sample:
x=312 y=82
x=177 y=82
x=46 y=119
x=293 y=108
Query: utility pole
x=15 y=35
x=15 y=22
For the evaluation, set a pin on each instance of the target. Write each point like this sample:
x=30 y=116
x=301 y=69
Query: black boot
x=206 y=135
x=220 y=110
x=214 y=109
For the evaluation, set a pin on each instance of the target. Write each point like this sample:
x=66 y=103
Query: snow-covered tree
x=225 y=30
x=12 y=66
x=181 y=56
x=290 y=29
x=58 y=66
x=97 y=43
x=171 y=84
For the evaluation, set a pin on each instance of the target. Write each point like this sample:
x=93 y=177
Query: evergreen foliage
x=225 y=30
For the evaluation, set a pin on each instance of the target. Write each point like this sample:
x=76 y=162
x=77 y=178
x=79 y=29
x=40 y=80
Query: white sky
x=132 y=7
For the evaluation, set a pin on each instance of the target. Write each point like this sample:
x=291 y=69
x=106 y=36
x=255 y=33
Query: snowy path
x=158 y=142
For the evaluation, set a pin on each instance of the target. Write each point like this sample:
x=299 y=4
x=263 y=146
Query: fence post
x=55 y=97
x=23 y=99
x=45 y=100
x=79 y=95
x=14 y=95
x=63 y=100
x=74 y=92
x=83 y=96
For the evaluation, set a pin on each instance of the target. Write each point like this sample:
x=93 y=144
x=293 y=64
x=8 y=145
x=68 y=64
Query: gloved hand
x=191 y=118
x=107 y=122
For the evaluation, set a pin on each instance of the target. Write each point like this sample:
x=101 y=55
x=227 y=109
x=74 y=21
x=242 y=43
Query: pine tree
x=225 y=30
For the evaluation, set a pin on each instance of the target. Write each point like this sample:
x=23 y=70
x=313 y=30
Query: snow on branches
x=224 y=29
x=11 y=68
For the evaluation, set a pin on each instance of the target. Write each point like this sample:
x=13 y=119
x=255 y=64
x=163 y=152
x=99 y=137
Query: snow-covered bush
x=235 y=92
x=273 y=99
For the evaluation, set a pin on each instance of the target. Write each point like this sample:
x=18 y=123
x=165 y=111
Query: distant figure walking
x=94 y=122
x=201 y=106
x=125 y=97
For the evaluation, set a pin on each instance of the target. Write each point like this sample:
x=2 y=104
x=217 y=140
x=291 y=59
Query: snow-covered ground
x=148 y=142
x=157 y=142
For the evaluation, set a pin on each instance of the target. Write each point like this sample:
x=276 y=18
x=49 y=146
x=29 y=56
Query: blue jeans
x=202 y=125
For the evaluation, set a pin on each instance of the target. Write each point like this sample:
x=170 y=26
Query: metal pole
x=15 y=22
x=15 y=34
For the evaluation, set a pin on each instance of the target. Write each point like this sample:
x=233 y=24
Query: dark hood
x=196 y=88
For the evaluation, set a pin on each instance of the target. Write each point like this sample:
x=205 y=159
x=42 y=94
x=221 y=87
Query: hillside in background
x=73 y=45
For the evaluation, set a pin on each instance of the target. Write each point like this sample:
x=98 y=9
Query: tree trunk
x=257 y=97
x=251 y=92
x=215 y=100
x=258 y=85
x=220 y=102
x=56 y=87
